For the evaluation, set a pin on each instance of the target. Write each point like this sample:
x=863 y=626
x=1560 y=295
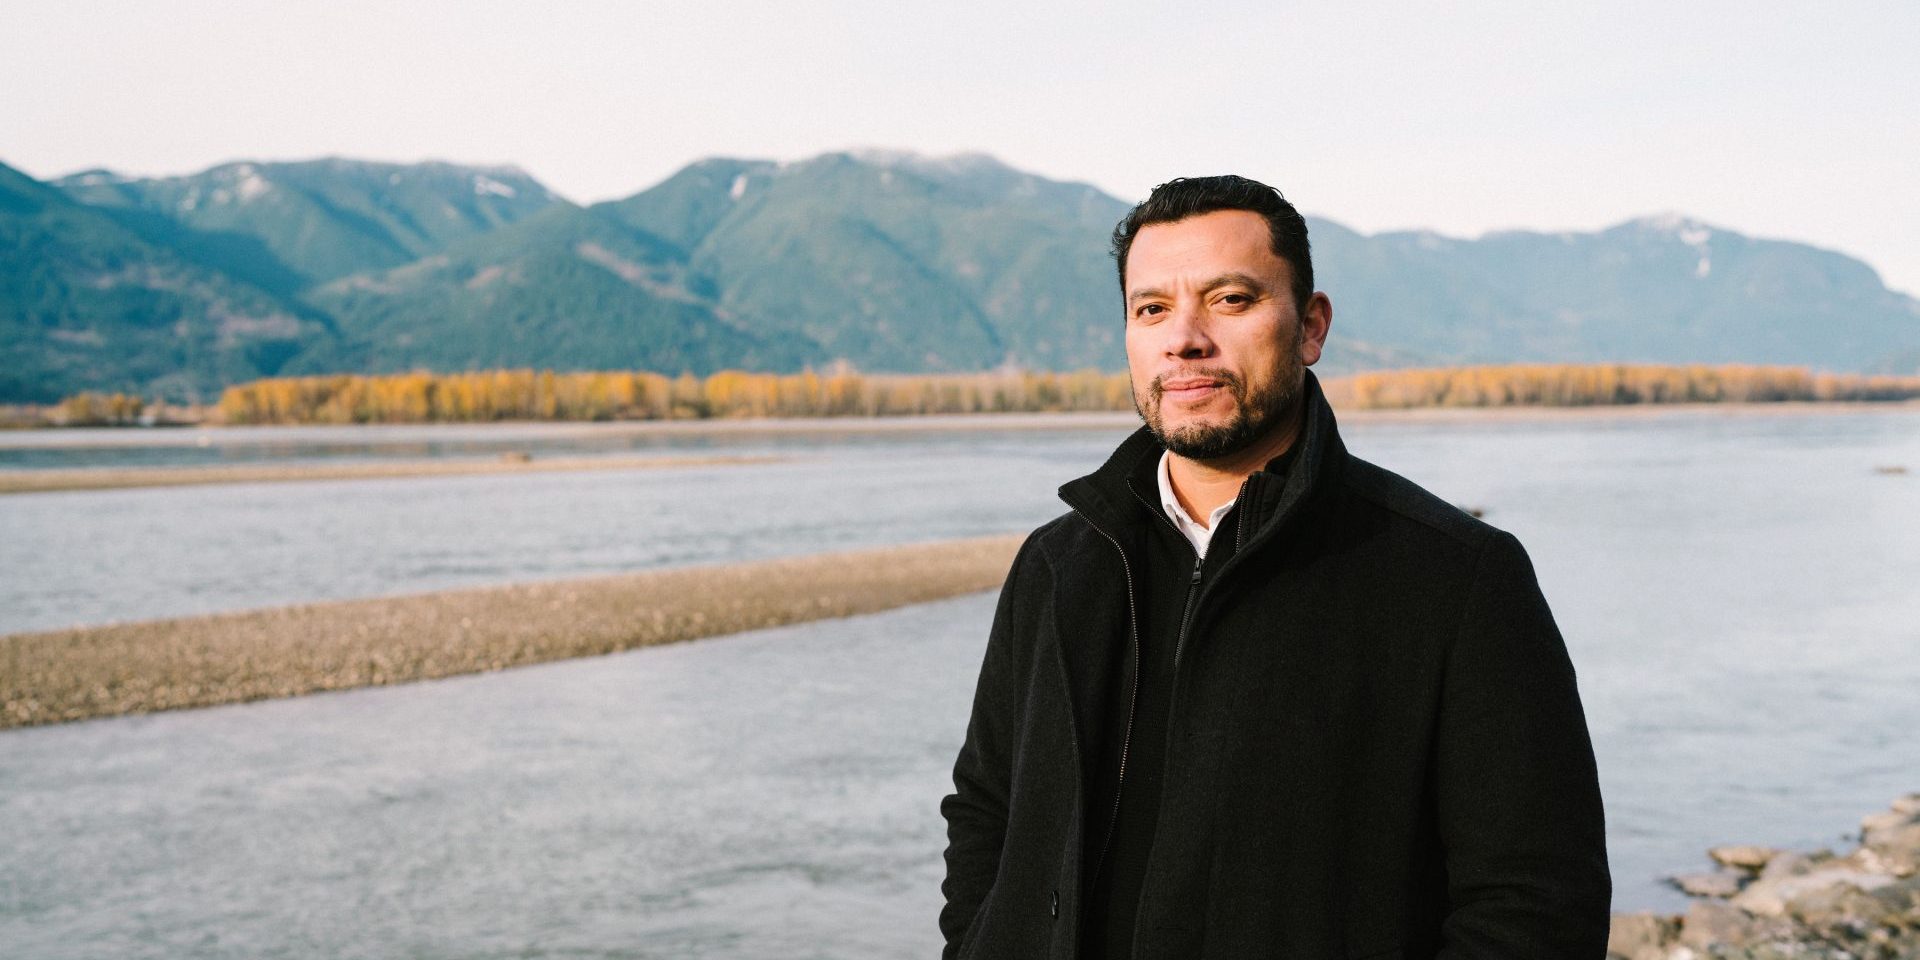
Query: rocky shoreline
x=1767 y=904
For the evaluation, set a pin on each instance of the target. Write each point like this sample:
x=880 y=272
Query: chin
x=1189 y=429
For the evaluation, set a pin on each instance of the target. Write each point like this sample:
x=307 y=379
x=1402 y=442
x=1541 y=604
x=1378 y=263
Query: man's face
x=1215 y=347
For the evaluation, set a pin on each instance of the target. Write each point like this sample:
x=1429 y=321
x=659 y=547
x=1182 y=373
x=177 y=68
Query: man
x=1255 y=697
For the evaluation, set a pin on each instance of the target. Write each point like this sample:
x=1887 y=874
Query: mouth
x=1188 y=389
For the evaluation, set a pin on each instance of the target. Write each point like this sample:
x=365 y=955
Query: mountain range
x=175 y=287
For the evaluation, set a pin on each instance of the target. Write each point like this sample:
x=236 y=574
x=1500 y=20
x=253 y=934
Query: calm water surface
x=95 y=556
x=1738 y=594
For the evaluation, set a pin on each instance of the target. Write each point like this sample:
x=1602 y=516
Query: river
x=1737 y=591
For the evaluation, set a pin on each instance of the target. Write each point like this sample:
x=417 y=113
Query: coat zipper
x=1133 y=701
x=1179 y=646
x=1133 y=631
x=1193 y=585
x=1186 y=612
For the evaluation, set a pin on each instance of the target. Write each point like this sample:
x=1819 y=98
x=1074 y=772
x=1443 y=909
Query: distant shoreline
x=188 y=435
x=1632 y=410
x=480 y=396
x=128 y=668
x=24 y=481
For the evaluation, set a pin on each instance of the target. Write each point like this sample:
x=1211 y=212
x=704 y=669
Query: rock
x=1768 y=896
x=1884 y=820
x=1789 y=864
x=1902 y=898
x=1720 y=883
x=1895 y=844
x=1710 y=923
x=1865 y=860
x=1842 y=906
x=1902 y=811
x=1742 y=856
x=1783 y=905
x=1641 y=936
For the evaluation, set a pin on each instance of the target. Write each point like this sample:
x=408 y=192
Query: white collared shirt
x=1196 y=534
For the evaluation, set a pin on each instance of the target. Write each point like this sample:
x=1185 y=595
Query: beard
x=1254 y=414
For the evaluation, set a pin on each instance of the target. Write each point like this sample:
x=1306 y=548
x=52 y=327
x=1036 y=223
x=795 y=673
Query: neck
x=1202 y=486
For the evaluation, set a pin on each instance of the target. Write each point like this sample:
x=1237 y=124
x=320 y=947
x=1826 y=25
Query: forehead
x=1204 y=246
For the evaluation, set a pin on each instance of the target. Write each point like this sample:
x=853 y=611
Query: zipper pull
x=1198 y=564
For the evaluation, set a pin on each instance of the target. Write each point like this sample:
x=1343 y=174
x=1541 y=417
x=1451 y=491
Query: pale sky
x=1794 y=121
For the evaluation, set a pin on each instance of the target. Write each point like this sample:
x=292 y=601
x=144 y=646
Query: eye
x=1236 y=299
x=1149 y=310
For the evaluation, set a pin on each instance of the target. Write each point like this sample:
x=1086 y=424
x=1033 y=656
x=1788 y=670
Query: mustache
x=1226 y=377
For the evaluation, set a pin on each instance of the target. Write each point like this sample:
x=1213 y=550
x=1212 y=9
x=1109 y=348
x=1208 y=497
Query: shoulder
x=1427 y=533
x=1033 y=563
x=1068 y=549
x=1413 y=509
x=1060 y=538
x=1440 y=538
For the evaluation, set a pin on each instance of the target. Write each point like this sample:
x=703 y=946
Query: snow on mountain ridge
x=1687 y=230
x=953 y=164
x=95 y=178
x=251 y=184
x=484 y=185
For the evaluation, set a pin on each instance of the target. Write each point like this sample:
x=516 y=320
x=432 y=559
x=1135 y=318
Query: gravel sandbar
x=74 y=674
x=42 y=481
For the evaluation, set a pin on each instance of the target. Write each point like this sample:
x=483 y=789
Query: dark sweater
x=1172 y=575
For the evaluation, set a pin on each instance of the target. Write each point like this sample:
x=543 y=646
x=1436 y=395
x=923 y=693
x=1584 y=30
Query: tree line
x=423 y=397
x=100 y=409
x=640 y=395
x=1581 y=385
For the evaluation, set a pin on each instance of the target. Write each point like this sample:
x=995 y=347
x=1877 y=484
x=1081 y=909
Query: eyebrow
x=1223 y=280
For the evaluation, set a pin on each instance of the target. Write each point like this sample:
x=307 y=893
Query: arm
x=976 y=812
x=1518 y=795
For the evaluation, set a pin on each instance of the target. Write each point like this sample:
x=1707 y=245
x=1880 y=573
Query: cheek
x=1142 y=383
x=1257 y=353
x=1139 y=350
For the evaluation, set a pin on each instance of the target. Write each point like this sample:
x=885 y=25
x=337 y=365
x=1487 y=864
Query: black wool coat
x=1374 y=749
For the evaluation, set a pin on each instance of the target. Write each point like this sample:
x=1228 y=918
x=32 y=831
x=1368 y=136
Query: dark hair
x=1186 y=197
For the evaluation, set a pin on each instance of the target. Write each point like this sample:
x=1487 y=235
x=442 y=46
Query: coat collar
x=1266 y=502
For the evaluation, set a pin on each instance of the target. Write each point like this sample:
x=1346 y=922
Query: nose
x=1187 y=333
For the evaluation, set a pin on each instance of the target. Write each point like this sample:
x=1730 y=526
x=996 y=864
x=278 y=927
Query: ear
x=1314 y=325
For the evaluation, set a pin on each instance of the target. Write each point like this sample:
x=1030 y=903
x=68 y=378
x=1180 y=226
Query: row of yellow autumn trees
x=1571 y=385
x=422 y=397
x=618 y=395
x=100 y=409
